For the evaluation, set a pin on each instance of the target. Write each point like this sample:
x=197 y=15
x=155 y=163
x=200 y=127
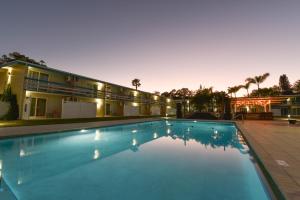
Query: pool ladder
x=238 y=115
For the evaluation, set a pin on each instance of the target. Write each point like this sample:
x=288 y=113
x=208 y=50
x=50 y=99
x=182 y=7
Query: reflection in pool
x=152 y=160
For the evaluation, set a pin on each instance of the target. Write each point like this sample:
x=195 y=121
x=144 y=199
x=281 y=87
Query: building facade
x=44 y=92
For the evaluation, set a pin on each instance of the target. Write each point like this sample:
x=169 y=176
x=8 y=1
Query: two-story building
x=44 y=92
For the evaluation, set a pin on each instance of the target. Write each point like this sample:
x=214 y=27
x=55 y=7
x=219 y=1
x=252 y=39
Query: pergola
x=264 y=102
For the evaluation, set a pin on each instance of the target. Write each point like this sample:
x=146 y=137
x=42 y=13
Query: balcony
x=69 y=90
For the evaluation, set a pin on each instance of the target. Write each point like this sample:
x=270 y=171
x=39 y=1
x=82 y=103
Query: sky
x=167 y=44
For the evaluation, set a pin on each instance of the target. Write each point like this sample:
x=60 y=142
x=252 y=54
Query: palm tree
x=234 y=90
x=136 y=83
x=258 y=79
x=246 y=86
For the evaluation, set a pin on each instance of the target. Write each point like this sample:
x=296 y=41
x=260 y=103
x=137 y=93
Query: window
x=44 y=77
x=32 y=107
x=41 y=107
x=33 y=74
x=107 y=109
x=38 y=107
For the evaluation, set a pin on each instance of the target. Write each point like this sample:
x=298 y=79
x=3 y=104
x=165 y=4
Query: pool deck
x=277 y=145
x=6 y=132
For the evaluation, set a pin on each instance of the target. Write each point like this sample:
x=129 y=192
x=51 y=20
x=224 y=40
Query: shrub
x=13 y=112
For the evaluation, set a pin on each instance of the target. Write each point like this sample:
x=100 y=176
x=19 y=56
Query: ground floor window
x=38 y=107
x=107 y=109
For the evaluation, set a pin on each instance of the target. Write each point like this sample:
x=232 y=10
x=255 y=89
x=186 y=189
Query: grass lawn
x=64 y=121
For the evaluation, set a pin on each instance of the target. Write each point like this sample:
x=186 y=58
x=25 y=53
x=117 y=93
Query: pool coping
x=6 y=134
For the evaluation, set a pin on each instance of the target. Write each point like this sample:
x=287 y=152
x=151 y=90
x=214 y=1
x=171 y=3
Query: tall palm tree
x=258 y=79
x=246 y=86
x=136 y=83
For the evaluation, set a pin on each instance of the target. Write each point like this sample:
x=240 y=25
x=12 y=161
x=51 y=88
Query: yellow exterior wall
x=53 y=103
x=3 y=79
x=100 y=104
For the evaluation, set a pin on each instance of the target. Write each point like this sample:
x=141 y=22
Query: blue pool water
x=161 y=160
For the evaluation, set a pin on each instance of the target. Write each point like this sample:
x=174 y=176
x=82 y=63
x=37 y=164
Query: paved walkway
x=277 y=145
x=29 y=130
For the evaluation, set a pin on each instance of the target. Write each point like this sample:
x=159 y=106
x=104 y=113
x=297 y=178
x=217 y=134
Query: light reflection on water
x=149 y=151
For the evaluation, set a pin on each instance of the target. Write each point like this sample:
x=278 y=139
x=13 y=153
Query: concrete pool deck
x=277 y=145
x=6 y=132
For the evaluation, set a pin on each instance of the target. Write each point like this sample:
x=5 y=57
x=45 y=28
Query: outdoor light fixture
x=99 y=103
x=135 y=93
x=9 y=74
x=134 y=131
x=155 y=97
x=168 y=100
x=135 y=104
x=289 y=116
x=100 y=86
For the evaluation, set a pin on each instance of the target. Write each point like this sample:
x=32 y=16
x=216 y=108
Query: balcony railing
x=69 y=90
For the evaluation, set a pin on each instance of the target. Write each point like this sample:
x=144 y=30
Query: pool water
x=161 y=160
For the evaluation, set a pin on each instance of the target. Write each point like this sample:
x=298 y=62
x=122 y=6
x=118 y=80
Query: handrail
x=238 y=115
x=37 y=85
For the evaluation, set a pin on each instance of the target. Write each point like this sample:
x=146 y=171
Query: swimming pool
x=166 y=160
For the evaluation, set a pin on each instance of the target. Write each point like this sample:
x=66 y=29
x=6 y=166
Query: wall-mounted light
x=99 y=103
x=135 y=93
x=135 y=104
x=100 y=86
x=168 y=100
x=9 y=74
x=155 y=97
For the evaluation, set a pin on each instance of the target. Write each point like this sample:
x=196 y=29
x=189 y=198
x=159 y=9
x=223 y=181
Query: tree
x=165 y=94
x=136 y=83
x=234 y=90
x=17 y=56
x=284 y=84
x=296 y=86
x=202 y=99
x=42 y=62
x=156 y=93
x=266 y=92
x=247 y=86
x=8 y=96
x=183 y=93
x=258 y=79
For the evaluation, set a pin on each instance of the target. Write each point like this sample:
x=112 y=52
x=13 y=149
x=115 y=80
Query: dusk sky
x=165 y=43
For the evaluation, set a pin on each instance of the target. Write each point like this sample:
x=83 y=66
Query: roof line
x=65 y=72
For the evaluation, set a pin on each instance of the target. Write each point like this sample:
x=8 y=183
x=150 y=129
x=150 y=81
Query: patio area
x=277 y=145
